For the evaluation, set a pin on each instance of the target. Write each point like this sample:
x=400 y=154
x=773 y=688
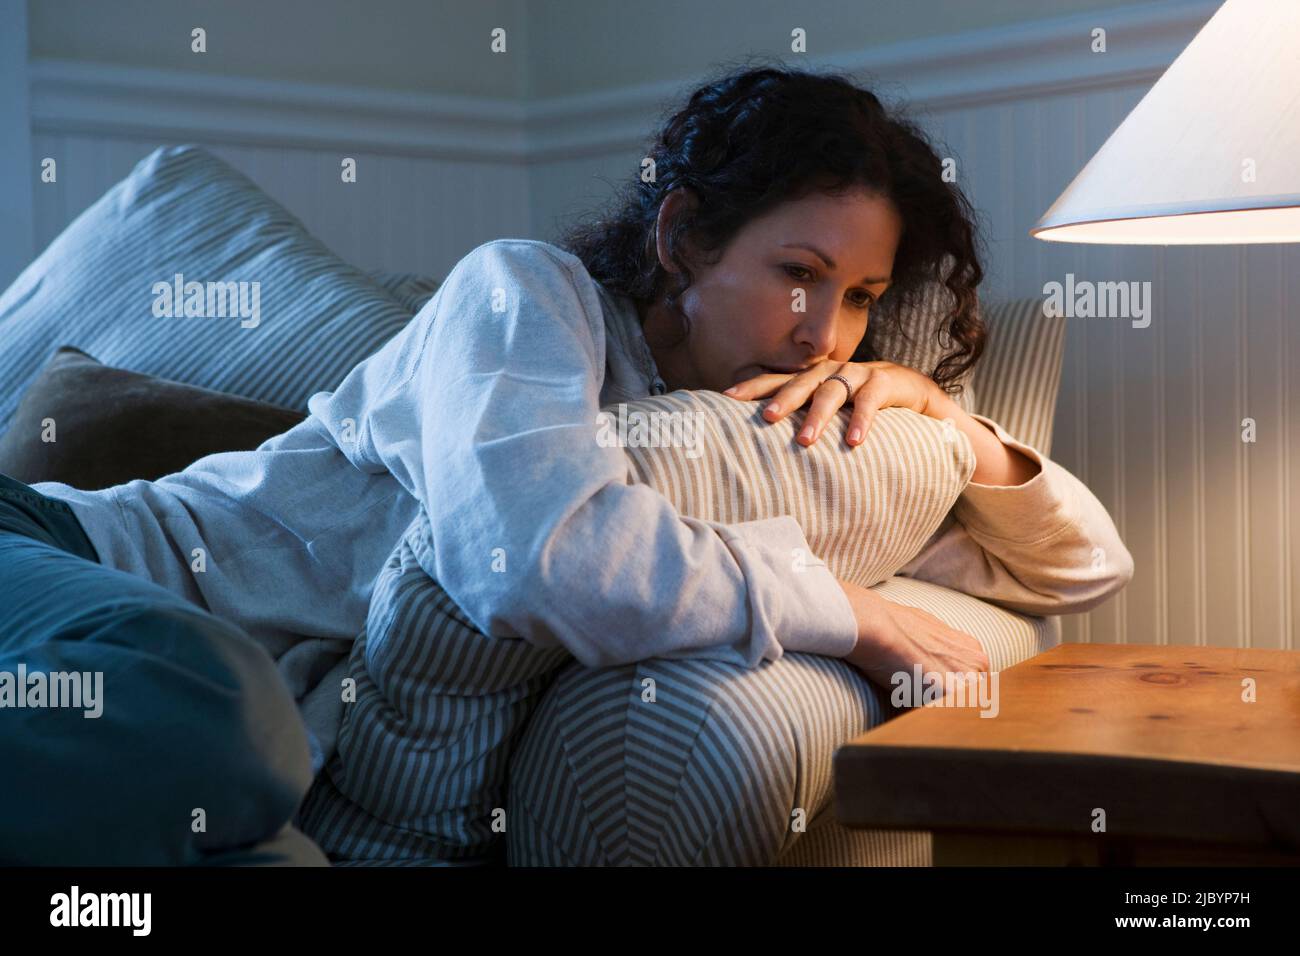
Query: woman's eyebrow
x=830 y=263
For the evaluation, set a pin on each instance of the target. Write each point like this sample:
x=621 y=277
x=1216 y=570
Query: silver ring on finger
x=843 y=381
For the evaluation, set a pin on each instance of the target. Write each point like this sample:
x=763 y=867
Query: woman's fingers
x=757 y=387
x=828 y=398
x=866 y=402
x=791 y=395
x=860 y=423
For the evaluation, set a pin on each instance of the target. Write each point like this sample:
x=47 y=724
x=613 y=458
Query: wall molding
x=204 y=107
x=1038 y=58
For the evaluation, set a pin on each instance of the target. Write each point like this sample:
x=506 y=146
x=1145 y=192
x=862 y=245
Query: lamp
x=1211 y=154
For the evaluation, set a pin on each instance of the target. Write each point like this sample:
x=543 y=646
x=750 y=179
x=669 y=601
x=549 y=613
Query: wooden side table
x=1157 y=738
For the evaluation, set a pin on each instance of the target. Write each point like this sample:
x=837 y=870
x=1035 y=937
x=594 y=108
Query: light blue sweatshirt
x=482 y=411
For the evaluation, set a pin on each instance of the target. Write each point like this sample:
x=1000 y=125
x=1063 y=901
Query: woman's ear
x=680 y=201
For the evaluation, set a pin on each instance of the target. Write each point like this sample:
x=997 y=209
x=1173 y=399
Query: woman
x=767 y=185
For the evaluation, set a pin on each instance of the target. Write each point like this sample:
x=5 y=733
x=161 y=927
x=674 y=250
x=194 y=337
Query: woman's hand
x=875 y=385
x=894 y=638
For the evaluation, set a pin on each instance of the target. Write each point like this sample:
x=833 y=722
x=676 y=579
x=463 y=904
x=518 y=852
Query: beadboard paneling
x=1150 y=419
x=404 y=213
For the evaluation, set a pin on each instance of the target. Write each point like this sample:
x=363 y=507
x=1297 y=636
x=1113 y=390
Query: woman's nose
x=817 y=332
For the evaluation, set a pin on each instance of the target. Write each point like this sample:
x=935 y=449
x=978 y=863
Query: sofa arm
x=1008 y=637
x=696 y=762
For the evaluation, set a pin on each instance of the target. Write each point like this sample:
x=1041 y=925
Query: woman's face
x=744 y=310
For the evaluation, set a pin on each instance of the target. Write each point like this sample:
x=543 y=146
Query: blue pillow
x=264 y=309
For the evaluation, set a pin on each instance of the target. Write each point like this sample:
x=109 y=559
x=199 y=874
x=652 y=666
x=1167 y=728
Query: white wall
x=554 y=48
x=1148 y=418
x=599 y=44
x=428 y=46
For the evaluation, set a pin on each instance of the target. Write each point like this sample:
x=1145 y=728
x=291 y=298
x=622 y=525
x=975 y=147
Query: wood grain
x=1158 y=738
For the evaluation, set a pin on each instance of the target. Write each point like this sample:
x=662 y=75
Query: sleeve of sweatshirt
x=485 y=408
x=1046 y=546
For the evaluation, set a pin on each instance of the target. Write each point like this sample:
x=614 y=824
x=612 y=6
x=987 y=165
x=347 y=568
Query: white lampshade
x=1211 y=154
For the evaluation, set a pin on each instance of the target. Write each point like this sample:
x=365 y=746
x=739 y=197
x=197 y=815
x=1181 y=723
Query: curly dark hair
x=760 y=136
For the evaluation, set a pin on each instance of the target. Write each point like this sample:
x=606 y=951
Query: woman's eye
x=794 y=271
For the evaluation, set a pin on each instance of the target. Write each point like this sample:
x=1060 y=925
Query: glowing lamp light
x=1211 y=154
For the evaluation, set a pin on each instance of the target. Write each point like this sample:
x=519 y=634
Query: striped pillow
x=107 y=284
x=866 y=510
x=420 y=774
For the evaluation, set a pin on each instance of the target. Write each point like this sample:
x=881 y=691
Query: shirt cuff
x=792 y=591
x=1026 y=513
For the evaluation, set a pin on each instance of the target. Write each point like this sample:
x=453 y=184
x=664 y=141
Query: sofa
x=732 y=767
